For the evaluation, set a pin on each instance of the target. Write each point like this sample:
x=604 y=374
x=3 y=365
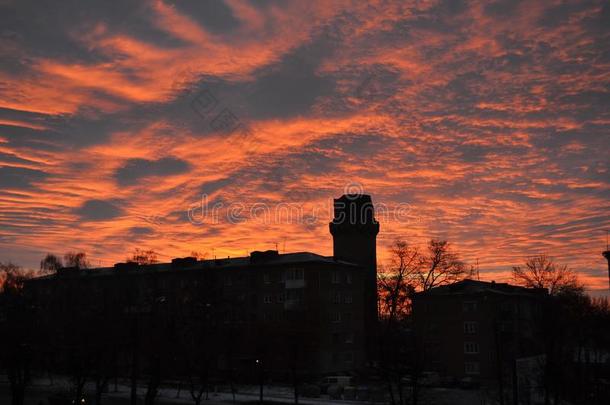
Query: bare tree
x=409 y=270
x=15 y=330
x=76 y=259
x=50 y=264
x=542 y=272
x=397 y=357
x=199 y=255
x=439 y=266
x=409 y=267
x=143 y=257
x=395 y=282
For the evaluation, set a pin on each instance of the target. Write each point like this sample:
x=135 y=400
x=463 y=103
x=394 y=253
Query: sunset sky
x=483 y=123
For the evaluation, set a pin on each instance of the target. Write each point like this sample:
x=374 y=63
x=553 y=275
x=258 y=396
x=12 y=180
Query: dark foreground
x=38 y=395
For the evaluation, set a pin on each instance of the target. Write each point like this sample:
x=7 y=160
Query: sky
x=225 y=127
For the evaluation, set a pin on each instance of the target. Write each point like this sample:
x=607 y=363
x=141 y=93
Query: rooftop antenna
x=606 y=254
x=478 y=276
x=284 y=247
x=213 y=254
x=275 y=245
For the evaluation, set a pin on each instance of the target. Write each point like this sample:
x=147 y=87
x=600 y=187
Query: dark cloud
x=289 y=88
x=502 y=8
x=141 y=230
x=50 y=29
x=19 y=177
x=215 y=15
x=136 y=169
x=98 y=210
x=213 y=186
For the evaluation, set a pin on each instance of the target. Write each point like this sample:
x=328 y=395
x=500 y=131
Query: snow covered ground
x=171 y=394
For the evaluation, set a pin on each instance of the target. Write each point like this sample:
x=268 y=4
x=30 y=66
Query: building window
x=336 y=296
x=471 y=367
x=295 y=274
x=348 y=278
x=348 y=298
x=336 y=338
x=294 y=295
x=336 y=277
x=228 y=281
x=349 y=338
x=469 y=306
x=335 y=316
x=470 y=328
x=471 y=347
x=349 y=357
x=267 y=278
x=267 y=299
x=280 y=298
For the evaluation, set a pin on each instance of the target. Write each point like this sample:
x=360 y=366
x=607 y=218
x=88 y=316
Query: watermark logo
x=205 y=212
x=353 y=191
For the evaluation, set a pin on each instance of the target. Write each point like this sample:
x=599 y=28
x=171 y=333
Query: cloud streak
x=490 y=120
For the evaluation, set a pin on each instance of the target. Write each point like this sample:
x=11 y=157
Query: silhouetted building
x=474 y=330
x=290 y=311
x=354 y=231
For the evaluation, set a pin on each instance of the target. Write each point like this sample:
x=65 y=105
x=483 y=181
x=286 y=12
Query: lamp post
x=259 y=364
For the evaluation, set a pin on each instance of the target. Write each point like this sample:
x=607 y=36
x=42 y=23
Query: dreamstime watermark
x=349 y=210
x=223 y=120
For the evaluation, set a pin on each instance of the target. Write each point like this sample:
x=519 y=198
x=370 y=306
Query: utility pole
x=606 y=254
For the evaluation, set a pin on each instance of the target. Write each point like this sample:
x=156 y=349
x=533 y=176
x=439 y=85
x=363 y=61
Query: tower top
x=354 y=211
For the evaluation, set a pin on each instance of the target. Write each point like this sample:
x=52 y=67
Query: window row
x=339 y=338
x=337 y=277
x=290 y=296
x=336 y=297
x=347 y=357
x=470 y=327
x=471 y=367
x=471 y=348
x=337 y=316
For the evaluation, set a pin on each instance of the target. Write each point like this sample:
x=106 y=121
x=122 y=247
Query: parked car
x=340 y=381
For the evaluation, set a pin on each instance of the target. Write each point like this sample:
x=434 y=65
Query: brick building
x=287 y=311
x=474 y=330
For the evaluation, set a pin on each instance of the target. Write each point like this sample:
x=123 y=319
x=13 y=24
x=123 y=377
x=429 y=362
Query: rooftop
x=469 y=286
x=255 y=260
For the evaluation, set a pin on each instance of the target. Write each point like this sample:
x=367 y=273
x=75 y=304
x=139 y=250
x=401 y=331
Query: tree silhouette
x=143 y=257
x=50 y=264
x=76 y=259
x=199 y=255
x=542 y=272
x=399 y=357
x=15 y=330
x=396 y=281
x=439 y=266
